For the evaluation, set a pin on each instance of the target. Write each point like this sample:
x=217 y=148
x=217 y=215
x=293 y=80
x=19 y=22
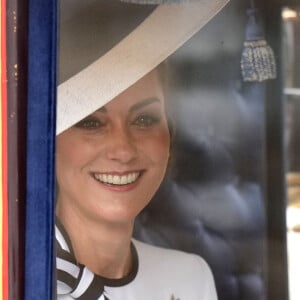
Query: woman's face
x=110 y=164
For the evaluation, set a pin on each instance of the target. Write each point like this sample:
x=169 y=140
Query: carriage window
x=211 y=202
x=201 y=121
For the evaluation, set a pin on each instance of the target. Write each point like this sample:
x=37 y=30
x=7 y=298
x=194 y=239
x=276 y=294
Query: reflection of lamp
x=288 y=14
x=293 y=210
x=293 y=186
x=293 y=218
x=293 y=240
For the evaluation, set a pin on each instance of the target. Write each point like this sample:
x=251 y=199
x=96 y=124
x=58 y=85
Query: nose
x=121 y=146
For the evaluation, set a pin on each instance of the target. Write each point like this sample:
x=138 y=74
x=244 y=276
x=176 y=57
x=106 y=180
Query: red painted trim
x=4 y=151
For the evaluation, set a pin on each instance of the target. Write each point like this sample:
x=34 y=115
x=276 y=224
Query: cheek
x=158 y=147
x=74 y=151
x=71 y=157
x=66 y=153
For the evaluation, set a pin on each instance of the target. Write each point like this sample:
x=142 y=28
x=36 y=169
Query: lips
x=115 y=179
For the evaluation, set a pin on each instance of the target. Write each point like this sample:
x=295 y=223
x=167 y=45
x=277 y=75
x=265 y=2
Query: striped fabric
x=74 y=279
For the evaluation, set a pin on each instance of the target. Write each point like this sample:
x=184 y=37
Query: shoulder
x=176 y=267
x=154 y=252
x=187 y=276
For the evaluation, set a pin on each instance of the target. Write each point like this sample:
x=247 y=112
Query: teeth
x=109 y=179
x=116 y=179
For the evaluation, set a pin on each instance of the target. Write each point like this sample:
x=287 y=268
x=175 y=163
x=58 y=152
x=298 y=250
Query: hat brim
x=167 y=28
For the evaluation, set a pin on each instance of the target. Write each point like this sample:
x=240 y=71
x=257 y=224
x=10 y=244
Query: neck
x=101 y=246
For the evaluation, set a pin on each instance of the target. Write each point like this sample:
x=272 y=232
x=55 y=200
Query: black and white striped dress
x=156 y=273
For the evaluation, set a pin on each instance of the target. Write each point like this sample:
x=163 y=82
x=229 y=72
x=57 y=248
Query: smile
x=117 y=179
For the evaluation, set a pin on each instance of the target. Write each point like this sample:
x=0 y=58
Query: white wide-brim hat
x=98 y=61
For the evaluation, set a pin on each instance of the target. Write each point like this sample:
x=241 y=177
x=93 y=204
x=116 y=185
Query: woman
x=111 y=158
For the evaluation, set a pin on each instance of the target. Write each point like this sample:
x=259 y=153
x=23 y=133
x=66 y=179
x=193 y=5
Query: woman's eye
x=89 y=124
x=146 y=120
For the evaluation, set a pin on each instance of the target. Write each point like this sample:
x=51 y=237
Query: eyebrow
x=144 y=103
x=136 y=106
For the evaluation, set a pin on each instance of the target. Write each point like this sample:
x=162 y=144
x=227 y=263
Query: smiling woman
x=113 y=148
x=115 y=158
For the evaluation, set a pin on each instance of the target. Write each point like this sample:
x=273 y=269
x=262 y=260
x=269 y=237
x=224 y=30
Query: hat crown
x=89 y=29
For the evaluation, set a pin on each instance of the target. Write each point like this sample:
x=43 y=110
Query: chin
x=120 y=215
